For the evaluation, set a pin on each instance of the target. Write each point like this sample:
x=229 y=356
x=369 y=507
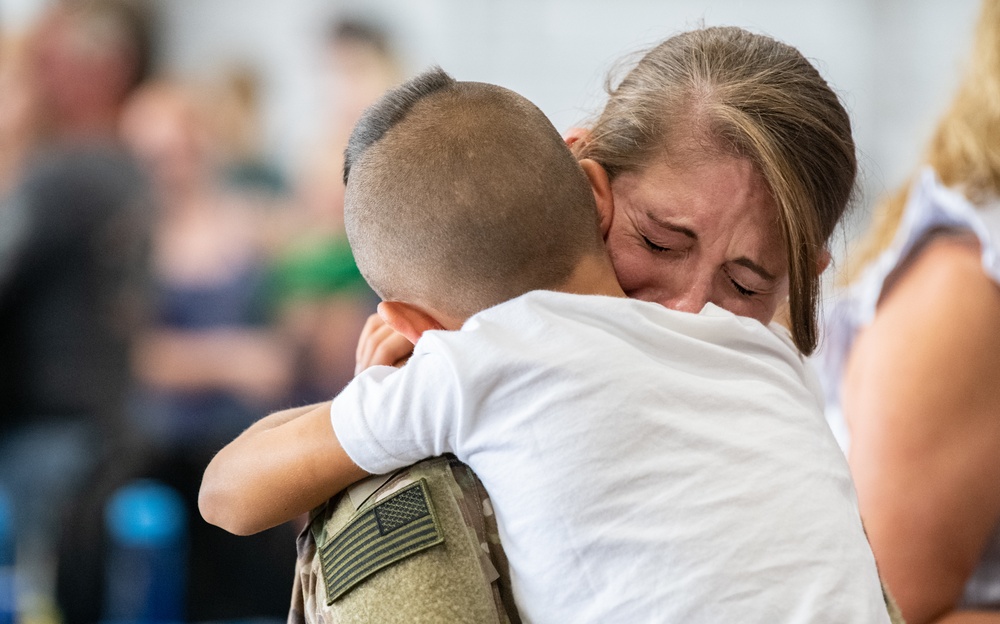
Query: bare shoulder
x=921 y=393
x=935 y=338
x=941 y=310
x=946 y=276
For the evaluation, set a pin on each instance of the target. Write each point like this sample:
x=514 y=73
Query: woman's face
x=683 y=236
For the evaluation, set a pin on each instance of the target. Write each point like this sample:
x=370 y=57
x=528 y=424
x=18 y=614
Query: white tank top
x=931 y=206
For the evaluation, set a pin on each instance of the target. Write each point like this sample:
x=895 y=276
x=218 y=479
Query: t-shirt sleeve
x=389 y=418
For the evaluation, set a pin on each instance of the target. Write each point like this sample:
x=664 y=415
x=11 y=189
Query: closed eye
x=746 y=292
x=653 y=246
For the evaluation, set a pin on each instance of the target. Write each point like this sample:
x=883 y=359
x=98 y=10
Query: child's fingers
x=380 y=346
x=374 y=332
x=372 y=342
x=392 y=350
x=373 y=323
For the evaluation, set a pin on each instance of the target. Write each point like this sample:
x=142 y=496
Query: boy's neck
x=593 y=275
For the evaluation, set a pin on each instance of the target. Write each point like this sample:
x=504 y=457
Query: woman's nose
x=692 y=299
x=687 y=304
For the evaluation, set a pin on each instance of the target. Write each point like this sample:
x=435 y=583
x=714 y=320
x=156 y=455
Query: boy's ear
x=407 y=319
x=600 y=183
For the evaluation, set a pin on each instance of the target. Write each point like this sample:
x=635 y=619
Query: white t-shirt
x=645 y=465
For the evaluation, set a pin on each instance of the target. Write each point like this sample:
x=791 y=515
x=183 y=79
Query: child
x=645 y=464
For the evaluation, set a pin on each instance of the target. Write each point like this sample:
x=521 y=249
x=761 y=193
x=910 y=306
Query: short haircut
x=462 y=195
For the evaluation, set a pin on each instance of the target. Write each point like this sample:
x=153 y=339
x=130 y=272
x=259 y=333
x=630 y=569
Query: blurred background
x=894 y=61
x=171 y=234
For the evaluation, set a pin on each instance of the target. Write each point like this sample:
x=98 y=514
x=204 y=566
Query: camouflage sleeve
x=419 y=545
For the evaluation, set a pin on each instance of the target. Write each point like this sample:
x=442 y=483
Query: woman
x=720 y=165
x=912 y=363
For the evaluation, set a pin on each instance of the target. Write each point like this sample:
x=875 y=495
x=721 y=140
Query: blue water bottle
x=146 y=569
x=8 y=588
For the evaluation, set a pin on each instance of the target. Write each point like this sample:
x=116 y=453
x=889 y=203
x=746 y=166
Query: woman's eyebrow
x=680 y=229
x=756 y=268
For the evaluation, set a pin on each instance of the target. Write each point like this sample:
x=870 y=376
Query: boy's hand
x=380 y=345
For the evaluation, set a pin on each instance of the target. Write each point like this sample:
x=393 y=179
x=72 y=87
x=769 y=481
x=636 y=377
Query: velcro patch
x=401 y=525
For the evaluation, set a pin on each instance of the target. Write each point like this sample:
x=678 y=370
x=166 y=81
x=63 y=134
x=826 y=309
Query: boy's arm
x=282 y=466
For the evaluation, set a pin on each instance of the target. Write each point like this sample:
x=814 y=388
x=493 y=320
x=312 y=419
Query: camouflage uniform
x=420 y=545
x=445 y=565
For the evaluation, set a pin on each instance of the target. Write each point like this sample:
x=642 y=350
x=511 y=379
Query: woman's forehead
x=717 y=189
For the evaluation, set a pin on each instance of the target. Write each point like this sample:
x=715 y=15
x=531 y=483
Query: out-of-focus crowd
x=161 y=287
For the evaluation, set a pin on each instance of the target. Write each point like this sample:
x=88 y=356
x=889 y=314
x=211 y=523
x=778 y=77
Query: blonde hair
x=756 y=98
x=964 y=150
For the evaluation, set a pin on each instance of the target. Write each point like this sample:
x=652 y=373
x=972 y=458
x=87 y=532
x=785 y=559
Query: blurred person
x=362 y=64
x=323 y=299
x=234 y=121
x=73 y=240
x=210 y=358
x=19 y=122
x=911 y=362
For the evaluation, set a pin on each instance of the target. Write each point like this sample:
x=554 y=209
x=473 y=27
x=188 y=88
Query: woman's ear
x=822 y=261
x=407 y=319
x=600 y=183
x=575 y=135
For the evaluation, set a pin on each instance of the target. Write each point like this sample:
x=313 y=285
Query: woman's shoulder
x=934 y=214
x=943 y=281
x=945 y=256
x=939 y=319
x=932 y=209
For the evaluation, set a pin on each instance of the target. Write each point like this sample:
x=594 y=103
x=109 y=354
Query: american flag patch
x=390 y=530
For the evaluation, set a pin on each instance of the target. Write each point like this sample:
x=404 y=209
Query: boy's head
x=462 y=195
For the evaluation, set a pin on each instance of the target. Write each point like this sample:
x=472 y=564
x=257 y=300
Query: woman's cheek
x=761 y=307
x=620 y=262
x=635 y=270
